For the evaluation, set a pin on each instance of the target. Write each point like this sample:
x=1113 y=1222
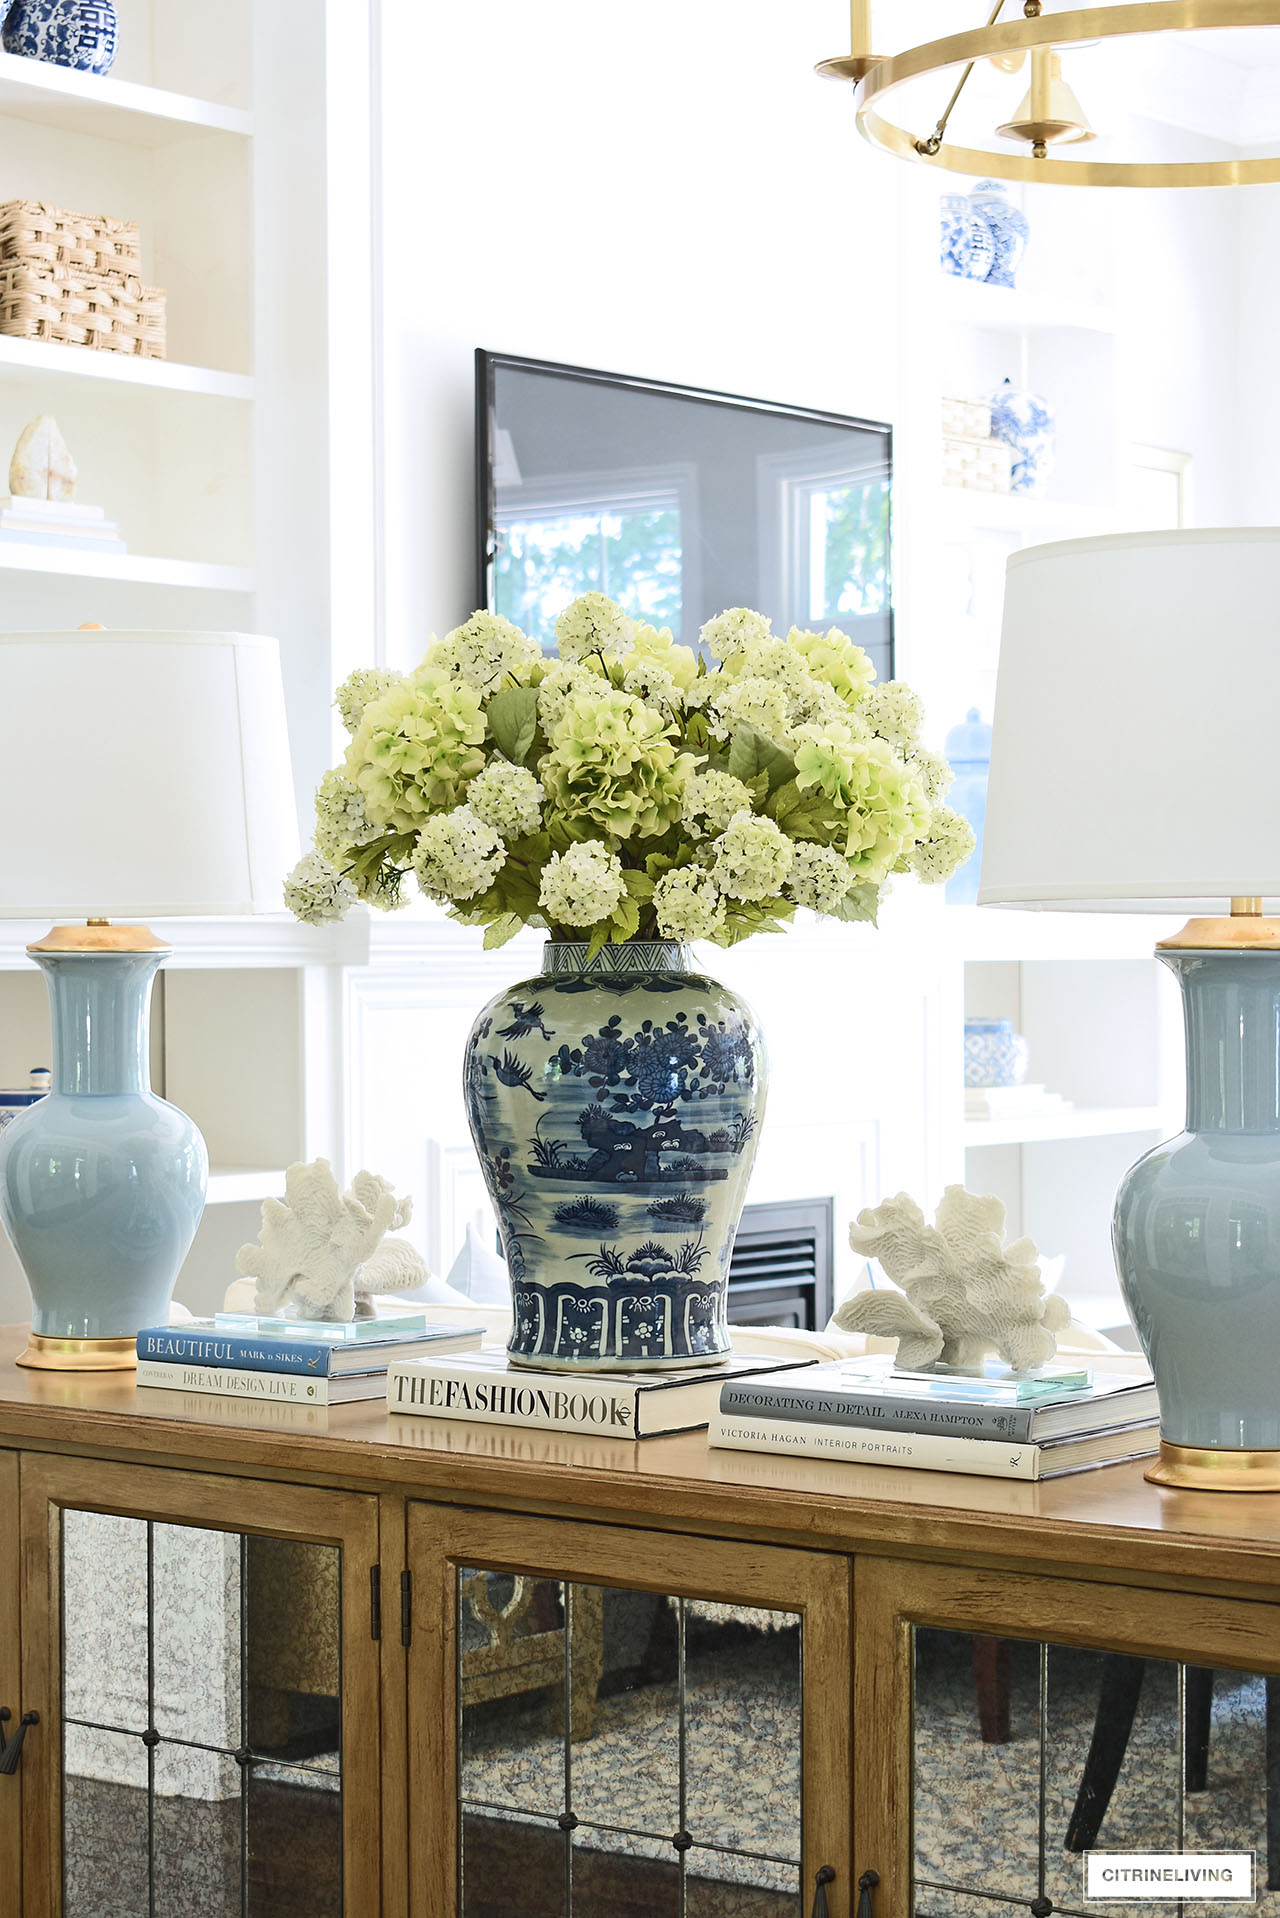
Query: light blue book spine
x=170 y=1345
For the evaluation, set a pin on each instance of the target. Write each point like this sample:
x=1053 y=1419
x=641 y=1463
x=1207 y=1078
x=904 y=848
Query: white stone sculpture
x=964 y=1291
x=319 y=1251
x=42 y=466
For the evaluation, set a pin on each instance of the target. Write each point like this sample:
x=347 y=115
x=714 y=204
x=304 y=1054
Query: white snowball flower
x=819 y=877
x=733 y=629
x=457 y=855
x=933 y=772
x=652 y=683
x=948 y=845
x=710 y=801
x=360 y=689
x=753 y=701
x=752 y=858
x=687 y=904
x=563 y=683
x=316 y=894
x=582 y=885
x=483 y=649
x=894 y=712
x=342 y=824
x=594 y=623
x=506 y=797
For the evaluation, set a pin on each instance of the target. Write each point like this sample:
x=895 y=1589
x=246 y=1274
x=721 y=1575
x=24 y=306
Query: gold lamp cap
x=99 y=935
x=1050 y=114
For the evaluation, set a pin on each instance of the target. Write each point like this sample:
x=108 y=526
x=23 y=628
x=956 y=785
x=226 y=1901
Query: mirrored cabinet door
x=1057 y=1747
x=209 y=1707
x=11 y=1705
x=634 y=1724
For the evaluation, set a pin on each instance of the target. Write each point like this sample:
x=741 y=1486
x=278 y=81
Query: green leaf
x=860 y=903
x=501 y=930
x=750 y=754
x=639 y=886
x=598 y=941
x=625 y=923
x=512 y=718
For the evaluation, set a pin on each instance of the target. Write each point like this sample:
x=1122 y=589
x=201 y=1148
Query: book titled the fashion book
x=259 y=1387
x=485 y=1386
x=932 y=1451
x=313 y=1349
x=841 y=1393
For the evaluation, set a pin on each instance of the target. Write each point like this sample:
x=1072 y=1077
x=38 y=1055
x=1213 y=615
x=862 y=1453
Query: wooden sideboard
x=326 y=1659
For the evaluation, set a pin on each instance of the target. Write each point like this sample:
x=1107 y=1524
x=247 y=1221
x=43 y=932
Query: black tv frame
x=486 y=364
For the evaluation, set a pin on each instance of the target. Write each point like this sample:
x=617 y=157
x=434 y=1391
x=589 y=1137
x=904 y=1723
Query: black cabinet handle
x=866 y=1885
x=11 y=1749
x=821 y=1909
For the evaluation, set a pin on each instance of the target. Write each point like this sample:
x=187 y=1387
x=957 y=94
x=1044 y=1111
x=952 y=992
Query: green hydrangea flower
x=833 y=657
x=416 y=747
x=613 y=765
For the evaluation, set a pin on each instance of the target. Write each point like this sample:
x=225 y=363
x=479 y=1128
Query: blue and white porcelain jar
x=65 y=33
x=1025 y=422
x=1008 y=228
x=967 y=247
x=968 y=751
x=615 y=1104
x=994 y=1054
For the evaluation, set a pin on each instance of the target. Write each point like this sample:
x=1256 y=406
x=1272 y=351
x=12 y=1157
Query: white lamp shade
x=1134 y=763
x=145 y=774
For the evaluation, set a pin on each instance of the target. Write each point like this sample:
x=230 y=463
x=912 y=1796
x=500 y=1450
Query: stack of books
x=315 y=1362
x=57 y=522
x=993 y=1423
x=486 y=1387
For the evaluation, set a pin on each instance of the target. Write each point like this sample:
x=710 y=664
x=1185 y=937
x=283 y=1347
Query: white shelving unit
x=215 y=132
x=1099 y=1013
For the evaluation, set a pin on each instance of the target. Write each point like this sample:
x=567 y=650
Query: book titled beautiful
x=932 y=1451
x=312 y=1351
x=844 y=1393
x=486 y=1387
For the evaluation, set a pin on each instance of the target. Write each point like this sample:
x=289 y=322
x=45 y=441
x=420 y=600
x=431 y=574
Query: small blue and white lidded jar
x=1025 y=422
x=968 y=751
x=1008 y=227
x=64 y=33
x=14 y=1101
x=967 y=248
x=994 y=1054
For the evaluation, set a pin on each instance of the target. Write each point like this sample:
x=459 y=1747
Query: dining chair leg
x=1117 y=1703
x=1198 y=1708
x=991 y=1683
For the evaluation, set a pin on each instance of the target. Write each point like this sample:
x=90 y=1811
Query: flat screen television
x=677 y=503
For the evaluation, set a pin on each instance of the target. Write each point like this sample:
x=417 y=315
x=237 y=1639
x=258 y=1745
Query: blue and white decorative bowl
x=12 y=1103
x=1008 y=228
x=994 y=1054
x=65 y=33
x=967 y=246
x=1025 y=422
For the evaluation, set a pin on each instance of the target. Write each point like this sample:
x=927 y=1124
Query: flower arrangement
x=632 y=787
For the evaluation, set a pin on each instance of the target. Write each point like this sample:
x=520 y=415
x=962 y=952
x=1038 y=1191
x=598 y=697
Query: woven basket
x=114 y=315
x=57 y=241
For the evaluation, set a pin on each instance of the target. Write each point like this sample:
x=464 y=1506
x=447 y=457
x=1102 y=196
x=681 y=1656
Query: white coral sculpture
x=964 y=1291
x=320 y=1251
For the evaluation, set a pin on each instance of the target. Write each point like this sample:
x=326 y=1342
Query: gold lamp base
x=44 y=1354
x=1192 y=1468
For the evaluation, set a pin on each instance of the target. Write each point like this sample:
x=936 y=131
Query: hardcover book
x=933 y=1451
x=260 y=1387
x=313 y=1351
x=485 y=1386
x=843 y=1394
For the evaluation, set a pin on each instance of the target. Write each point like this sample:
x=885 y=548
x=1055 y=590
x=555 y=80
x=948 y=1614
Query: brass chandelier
x=1050 y=115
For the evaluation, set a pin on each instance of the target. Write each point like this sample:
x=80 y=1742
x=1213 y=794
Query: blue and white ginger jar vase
x=968 y=751
x=967 y=248
x=1008 y=228
x=1025 y=422
x=65 y=33
x=615 y=1104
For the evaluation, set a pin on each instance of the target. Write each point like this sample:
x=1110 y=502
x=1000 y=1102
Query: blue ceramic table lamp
x=1134 y=769
x=153 y=770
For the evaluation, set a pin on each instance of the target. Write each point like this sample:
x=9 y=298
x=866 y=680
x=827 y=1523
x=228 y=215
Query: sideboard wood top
x=1108 y=1521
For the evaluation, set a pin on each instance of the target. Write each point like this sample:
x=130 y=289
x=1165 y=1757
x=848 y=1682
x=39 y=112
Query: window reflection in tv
x=678 y=503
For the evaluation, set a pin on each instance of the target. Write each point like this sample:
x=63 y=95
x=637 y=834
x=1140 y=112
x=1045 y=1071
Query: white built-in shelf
x=110 y=109
x=243 y=1185
x=131 y=569
x=21 y=358
x=968 y=508
x=1007 y=309
x=1068 y=1122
